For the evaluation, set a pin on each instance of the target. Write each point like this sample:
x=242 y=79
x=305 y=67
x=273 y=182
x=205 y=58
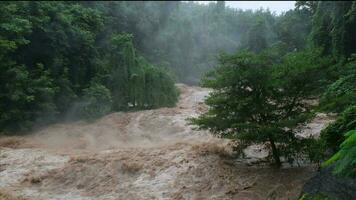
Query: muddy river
x=150 y=154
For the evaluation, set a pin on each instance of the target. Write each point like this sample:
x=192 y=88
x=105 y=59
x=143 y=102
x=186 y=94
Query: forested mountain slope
x=91 y=58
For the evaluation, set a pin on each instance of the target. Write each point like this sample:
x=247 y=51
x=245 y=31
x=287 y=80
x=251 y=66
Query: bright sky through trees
x=274 y=6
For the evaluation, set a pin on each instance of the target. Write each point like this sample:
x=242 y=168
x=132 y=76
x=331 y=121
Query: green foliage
x=65 y=95
x=290 y=23
x=257 y=40
x=314 y=196
x=157 y=91
x=345 y=158
x=186 y=36
x=120 y=59
x=333 y=134
x=340 y=94
x=334 y=28
x=97 y=101
x=258 y=101
x=50 y=52
x=27 y=98
x=134 y=82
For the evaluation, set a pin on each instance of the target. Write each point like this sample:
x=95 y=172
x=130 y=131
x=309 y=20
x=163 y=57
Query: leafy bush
x=345 y=158
x=314 y=196
x=340 y=94
x=333 y=135
x=97 y=101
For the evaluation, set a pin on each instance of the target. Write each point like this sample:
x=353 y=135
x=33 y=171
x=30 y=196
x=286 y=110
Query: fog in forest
x=107 y=100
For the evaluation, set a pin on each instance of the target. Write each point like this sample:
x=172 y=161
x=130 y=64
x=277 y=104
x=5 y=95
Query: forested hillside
x=95 y=83
x=64 y=60
x=73 y=60
x=187 y=37
x=263 y=97
x=70 y=60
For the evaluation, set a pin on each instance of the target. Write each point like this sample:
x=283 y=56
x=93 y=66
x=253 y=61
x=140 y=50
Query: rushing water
x=151 y=154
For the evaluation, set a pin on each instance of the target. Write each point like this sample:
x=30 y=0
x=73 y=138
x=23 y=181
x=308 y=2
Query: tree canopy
x=54 y=55
x=256 y=100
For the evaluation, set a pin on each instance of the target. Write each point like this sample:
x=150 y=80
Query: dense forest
x=264 y=96
x=73 y=60
x=62 y=60
x=65 y=61
x=187 y=37
x=90 y=58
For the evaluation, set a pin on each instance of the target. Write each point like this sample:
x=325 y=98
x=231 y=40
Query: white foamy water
x=151 y=154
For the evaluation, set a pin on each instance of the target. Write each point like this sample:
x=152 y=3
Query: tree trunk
x=275 y=152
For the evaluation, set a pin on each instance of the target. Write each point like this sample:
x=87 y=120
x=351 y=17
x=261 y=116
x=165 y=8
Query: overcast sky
x=277 y=6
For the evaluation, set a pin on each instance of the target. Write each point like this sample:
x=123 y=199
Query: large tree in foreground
x=258 y=101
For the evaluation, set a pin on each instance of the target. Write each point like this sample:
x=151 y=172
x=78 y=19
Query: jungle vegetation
x=82 y=60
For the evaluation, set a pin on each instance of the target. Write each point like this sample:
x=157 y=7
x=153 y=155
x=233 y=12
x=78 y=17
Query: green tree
x=51 y=52
x=345 y=158
x=28 y=97
x=121 y=58
x=332 y=135
x=293 y=28
x=257 y=40
x=26 y=94
x=257 y=101
x=334 y=27
x=97 y=101
x=340 y=94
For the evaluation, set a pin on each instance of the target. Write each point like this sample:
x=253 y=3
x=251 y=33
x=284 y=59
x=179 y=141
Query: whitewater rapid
x=150 y=154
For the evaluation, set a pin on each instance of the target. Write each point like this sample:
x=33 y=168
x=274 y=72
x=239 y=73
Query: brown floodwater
x=151 y=154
